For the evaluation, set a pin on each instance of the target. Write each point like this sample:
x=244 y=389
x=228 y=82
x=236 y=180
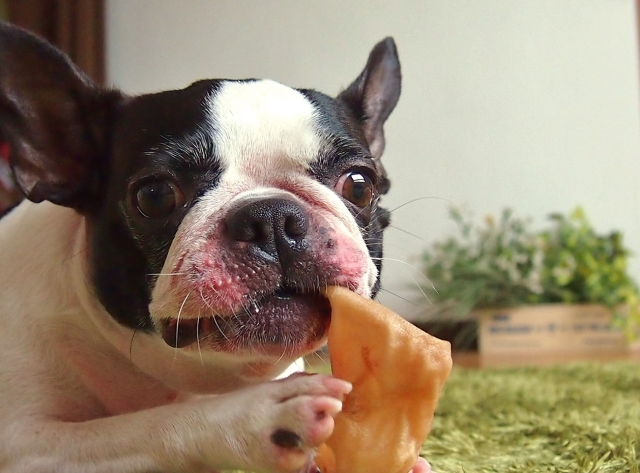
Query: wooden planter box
x=548 y=328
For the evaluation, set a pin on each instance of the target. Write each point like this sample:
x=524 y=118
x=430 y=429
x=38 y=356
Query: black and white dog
x=167 y=264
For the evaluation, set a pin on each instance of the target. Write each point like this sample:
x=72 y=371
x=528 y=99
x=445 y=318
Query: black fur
x=87 y=148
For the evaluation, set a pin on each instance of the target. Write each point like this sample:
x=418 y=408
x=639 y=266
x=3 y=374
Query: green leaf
x=492 y=264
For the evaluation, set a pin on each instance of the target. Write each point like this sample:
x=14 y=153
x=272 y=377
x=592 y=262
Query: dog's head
x=215 y=213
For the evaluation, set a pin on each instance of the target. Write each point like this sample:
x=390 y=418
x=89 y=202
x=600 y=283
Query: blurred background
x=531 y=105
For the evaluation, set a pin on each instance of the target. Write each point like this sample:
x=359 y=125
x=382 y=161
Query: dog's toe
x=303 y=419
x=310 y=418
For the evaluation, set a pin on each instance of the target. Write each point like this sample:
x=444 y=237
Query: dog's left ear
x=55 y=119
x=374 y=94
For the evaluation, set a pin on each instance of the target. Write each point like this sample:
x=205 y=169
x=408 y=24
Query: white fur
x=80 y=395
x=263 y=127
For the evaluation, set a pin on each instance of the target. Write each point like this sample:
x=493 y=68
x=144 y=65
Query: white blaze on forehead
x=263 y=126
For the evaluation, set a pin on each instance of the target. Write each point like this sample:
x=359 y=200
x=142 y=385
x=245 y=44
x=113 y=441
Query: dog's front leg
x=272 y=427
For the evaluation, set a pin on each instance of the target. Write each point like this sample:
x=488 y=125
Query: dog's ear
x=374 y=94
x=54 y=118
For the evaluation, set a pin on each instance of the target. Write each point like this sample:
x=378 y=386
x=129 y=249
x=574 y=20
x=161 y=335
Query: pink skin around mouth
x=212 y=278
x=256 y=310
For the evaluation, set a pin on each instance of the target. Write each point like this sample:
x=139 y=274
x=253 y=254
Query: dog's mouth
x=286 y=322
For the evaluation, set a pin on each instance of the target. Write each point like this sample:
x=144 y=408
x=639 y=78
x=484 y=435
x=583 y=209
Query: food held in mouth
x=397 y=372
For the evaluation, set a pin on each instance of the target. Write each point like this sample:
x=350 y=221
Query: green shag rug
x=572 y=418
x=577 y=418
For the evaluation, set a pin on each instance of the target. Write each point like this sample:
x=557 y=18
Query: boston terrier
x=166 y=267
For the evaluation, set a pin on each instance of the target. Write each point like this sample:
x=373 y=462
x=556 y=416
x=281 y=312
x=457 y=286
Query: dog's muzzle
x=272 y=246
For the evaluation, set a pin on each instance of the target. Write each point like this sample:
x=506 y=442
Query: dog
x=165 y=269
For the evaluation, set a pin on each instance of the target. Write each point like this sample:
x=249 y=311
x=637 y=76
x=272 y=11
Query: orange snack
x=397 y=372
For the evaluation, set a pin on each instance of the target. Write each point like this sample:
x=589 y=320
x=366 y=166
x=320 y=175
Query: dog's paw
x=297 y=417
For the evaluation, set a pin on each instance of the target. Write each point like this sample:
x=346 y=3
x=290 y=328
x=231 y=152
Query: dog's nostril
x=295 y=225
x=251 y=231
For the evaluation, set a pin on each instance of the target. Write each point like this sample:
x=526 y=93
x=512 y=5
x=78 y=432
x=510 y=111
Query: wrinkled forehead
x=250 y=128
x=260 y=126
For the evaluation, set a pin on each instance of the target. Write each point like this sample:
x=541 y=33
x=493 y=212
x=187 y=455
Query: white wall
x=531 y=104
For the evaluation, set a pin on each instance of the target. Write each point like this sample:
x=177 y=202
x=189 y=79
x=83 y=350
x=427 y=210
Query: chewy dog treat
x=397 y=372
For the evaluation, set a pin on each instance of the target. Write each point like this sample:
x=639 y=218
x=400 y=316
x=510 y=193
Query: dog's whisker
x=323 y=359
x=421 y=290
x=175 y=354
x=253 y=301
x=412 y=267
x=382 y=289
x=418 y=199
x=133 y=335
x=408 y=233
x=215 y=321
x=394 y=245
x=367 y=207
x=207 y=300
x=284 y=352
x=178 y=318
x=198 y=342
x=76 y=254
x=246 y=308
x=202 y=298
x=166 y=274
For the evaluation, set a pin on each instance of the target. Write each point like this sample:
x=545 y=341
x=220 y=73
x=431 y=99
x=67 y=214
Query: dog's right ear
x=55 y=119
x=373 y=96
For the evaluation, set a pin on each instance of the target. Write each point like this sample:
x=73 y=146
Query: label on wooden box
x=548 y=328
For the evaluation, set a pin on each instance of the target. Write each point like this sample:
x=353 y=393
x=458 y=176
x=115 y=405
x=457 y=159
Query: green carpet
x=572 y=418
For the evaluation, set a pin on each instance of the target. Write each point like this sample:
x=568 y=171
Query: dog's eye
x=157 y=199
x=357 y=188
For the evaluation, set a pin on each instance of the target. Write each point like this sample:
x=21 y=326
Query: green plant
x=582 y=266
x=505 y=263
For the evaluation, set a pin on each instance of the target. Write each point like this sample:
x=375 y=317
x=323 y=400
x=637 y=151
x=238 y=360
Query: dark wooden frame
x=75 y=26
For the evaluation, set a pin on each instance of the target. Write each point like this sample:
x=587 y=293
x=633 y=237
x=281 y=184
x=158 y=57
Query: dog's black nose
x=276 y=226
